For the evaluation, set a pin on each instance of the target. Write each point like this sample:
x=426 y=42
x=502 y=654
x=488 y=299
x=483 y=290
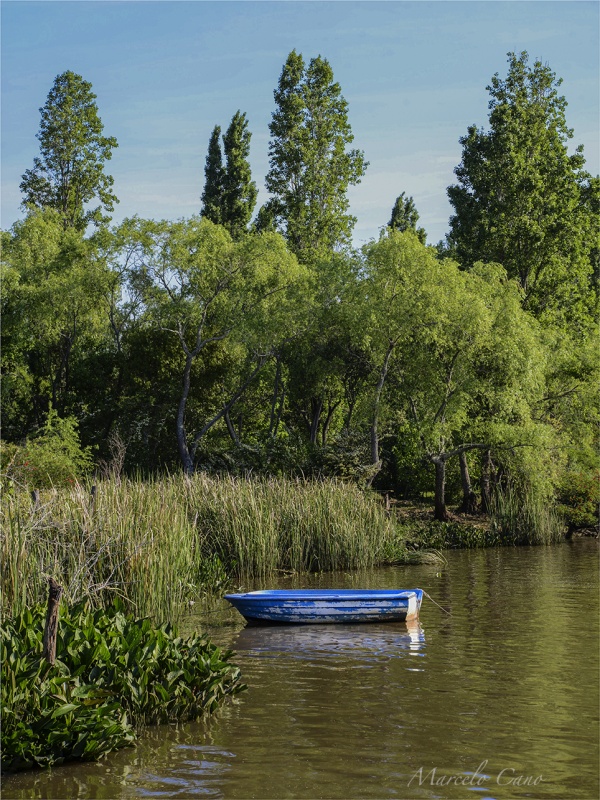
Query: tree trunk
x=279 y=413
x=182 y=445
x=274 y=418
x=327 y=422
x=469 y=503
x=440 y=512
x=376 y=403
x=316 y=408
x=231 y=429
x=486 y=477
x=49 y=641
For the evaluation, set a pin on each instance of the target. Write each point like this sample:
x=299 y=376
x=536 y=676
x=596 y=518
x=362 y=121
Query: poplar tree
x=69 y=172
x=310 y=165
x=214 y=174
x=405 y=217
x=518 y=197
x=239 y=190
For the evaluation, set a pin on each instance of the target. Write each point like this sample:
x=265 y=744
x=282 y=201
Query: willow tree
x=459 y=356
x=205 y=290
x=310 y=165
x=69 y=173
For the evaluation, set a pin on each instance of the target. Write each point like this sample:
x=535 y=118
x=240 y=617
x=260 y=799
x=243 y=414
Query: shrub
x=53 y=457
x=579 y=498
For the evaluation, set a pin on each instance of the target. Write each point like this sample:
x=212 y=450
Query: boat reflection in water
x=362 y=642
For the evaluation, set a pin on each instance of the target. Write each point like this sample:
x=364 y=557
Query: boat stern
x=414 y=604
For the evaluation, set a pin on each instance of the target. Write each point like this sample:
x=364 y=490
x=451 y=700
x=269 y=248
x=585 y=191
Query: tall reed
x=521 y=516
x=157 y=543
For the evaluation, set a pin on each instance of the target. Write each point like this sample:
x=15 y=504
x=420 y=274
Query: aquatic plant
x=519 y=515
x=453 y=535
x=161 y=543
x=113 y=673
x=260 y=525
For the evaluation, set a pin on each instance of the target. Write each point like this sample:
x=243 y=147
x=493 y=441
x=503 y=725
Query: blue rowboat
x=310 y=606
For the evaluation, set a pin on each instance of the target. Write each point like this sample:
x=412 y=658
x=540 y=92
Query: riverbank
x=164 y=543
x=161 y=544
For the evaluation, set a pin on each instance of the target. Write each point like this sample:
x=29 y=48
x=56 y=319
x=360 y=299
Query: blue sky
x=414 y=75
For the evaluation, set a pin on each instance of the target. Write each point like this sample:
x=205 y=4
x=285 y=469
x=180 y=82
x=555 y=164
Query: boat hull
x=318 y=606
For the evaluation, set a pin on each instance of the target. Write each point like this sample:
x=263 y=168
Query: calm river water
x=497 y=699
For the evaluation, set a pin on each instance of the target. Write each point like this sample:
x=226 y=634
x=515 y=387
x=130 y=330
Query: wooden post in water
x=54 y=594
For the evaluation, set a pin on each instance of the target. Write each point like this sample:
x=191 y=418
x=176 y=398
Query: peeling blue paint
x=310 y=606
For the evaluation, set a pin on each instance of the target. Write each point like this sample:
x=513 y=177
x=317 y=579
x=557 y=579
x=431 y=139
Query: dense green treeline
x=211 y=343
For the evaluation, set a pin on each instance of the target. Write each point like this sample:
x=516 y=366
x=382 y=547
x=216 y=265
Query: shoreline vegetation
x=159 y=544
x=126 y=550
x=113 y=675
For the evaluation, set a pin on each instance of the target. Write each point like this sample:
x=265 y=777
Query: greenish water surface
x=496 y=699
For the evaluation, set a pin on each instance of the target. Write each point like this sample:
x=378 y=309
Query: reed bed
x=160 y=543
x=523 y=517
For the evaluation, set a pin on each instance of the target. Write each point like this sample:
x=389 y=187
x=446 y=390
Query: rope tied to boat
x=445 y=610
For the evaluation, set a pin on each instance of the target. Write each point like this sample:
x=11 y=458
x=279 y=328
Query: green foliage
x=53 y=457
x=229 y=194
x=310 y=168
x=405 y=217
x=347 y=457
x=112 y=671
x=520 y=514
x=55 y=303
x=234 y=301
x=70 y=171
x=453 y=535
x=579 y=499
x=518 y=198
x=239 y=190
x=463 y=362
x=214 y=174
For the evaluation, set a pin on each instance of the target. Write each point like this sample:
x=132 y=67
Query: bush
x=579 y=498
x=54 y=457
x=112 y=672
x=453 y=535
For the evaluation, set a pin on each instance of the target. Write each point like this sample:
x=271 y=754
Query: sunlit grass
x=160 y=543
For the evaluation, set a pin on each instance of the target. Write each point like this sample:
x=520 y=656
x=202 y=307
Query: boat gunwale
x=326 y=594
